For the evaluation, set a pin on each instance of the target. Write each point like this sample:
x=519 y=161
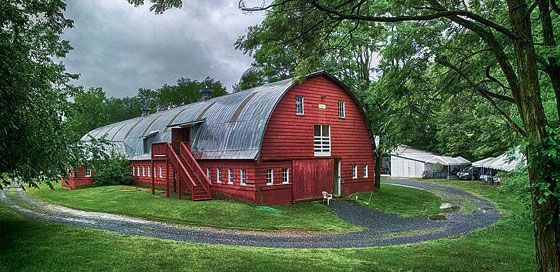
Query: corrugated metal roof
x=225 y=127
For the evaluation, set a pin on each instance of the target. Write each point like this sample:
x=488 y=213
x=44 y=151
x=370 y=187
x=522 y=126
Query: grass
x=27 y=245
x=404 y=201
x=218 y=213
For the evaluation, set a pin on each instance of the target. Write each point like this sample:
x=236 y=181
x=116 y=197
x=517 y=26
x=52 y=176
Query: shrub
x=112 y=170
x=516 y=183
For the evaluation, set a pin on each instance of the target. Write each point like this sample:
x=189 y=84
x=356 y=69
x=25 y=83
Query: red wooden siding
x=290 y=136
x=288 y=143
x=312 y=177
x=78 y=179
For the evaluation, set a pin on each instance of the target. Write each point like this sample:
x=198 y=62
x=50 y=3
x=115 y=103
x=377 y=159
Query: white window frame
x=300 y=105
x=366 y=170
x=229 y=176
x=285 y=175
x=242 y=177
x=149 y=171
x=208 y=173
x=321 y=143
x=160 y=172
x=269 y=176
x=143 y=171
x=88 y=172
x=138 y=171
x=341 y=109
x=133 y=171
x=355 y=171
x=218 y=175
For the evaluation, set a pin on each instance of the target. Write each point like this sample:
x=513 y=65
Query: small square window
x=229 y=176
x=365 y=171
x=285 y=175
x=88 y=172
x=269 y=176
x=354 y=171
x=299 y=105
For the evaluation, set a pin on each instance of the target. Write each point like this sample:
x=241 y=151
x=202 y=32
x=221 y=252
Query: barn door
x=179 y=135
x=311 y=178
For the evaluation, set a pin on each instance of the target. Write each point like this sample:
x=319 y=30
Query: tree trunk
x=552 y=65
x=378 y=162
x=545 y=215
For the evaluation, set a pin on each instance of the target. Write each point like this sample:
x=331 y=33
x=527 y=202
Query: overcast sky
x=122 y=48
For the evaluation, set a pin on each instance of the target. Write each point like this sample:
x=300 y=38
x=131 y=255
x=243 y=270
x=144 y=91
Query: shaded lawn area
x=404 y=201
x=27 y=245
x=218 y=213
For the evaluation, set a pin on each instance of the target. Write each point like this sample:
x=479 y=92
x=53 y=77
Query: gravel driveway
x=381 y=228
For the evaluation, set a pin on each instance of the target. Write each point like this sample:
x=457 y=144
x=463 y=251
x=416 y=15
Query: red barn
x=275 y=144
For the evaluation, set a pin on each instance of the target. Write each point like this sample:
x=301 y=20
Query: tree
x=89 y=111
x=508 y=37
x=34 y=142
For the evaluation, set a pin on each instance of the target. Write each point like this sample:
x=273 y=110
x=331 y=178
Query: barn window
x=149 y=171
x=229 y=176
x=341 y=109
x=285 y=175
x=322 y=140
x=218 y=175
x=354 y=171
x=208 y=173
x=365 y=171
x=133 y=171
x=160 y=172
x=242 y=179
x=143 y=171
x=138 y=171
x=269 y=176
x=299 y=105
x=148 y=140
x=88 y=172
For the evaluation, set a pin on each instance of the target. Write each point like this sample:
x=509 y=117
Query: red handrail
x=195 y=167
x=175 y=160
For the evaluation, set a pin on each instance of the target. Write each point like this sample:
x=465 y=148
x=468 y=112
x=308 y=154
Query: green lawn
x=219 y=213
x=401 y=200
x=26 y=245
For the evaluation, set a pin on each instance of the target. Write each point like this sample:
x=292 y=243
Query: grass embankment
x=218 y=213
x=26 y=245
x=404 y=201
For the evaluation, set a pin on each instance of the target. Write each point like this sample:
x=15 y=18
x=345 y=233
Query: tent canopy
x=508 y=161
x=405 y=151
x=483 y=162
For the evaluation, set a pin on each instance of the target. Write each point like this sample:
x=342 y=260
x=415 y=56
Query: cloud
x=122 y=48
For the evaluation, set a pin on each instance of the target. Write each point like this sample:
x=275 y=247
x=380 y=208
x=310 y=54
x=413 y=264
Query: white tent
x=412 y=163
x=483 y=162
x=508 y=161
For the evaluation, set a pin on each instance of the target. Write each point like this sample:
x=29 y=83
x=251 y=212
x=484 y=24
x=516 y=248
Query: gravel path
x=381 y=228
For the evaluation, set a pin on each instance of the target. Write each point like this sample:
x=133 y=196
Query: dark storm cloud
x=122 y=48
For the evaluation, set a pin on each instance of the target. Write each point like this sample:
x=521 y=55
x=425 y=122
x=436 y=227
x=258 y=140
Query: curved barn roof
x=225 y=127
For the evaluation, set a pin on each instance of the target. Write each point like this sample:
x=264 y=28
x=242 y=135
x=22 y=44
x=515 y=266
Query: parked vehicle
x=469 y=173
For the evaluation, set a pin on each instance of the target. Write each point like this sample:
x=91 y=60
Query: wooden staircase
x=188 y=172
